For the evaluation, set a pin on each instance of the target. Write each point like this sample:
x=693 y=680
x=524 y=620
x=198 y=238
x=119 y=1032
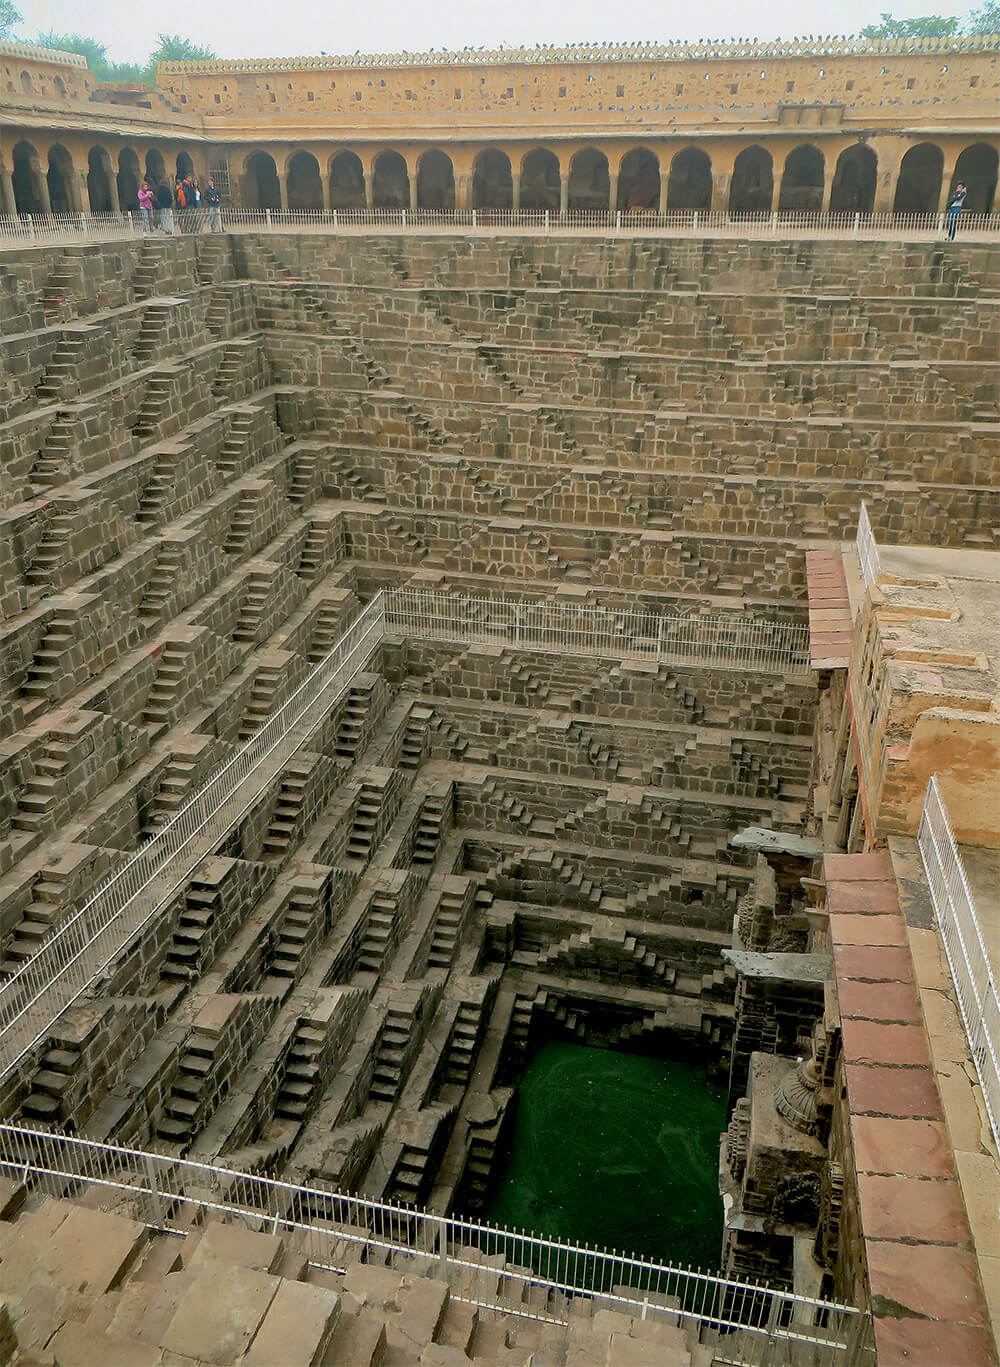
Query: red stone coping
x=831 y=628
x=927 y=1301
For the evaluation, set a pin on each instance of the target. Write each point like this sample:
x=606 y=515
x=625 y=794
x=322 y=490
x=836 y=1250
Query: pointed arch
x=435 y=180
x=690 y=183
x=639 y=180
x=918 y=187
x=855 y=179
x=751 y=189
x=303 y=185
x=976 y=168
x=540 y=186
x=802 y=178
x=492 y=180
x=589 y=180
x=347 y=181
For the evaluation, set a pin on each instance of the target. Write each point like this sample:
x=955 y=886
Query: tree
x=986 y=19
x=95 y=52
x=931 y=26
x=9 y=18
x=173 y=48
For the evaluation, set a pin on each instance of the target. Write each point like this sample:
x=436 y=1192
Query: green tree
x=95 y=52
x=985 y=19
x=9 y=18
x=173 y=48
x=931 y=26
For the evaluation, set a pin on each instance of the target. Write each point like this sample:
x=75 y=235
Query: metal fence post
x=473 y=220
x=334 y=220
x=546 y=221
x=404 y=220
x=31 y=226
x=857 y=224
x=774 y=223
x=156 y=1205
x=694 y=222
x=267 y=217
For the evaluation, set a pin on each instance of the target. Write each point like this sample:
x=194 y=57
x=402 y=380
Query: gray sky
x=285 y=28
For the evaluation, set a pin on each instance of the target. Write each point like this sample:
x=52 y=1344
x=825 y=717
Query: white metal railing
x=70 y=960
x=30 y=229
x=751 y=1324
x=737 y=643
x=867 y=549
x=971 y=971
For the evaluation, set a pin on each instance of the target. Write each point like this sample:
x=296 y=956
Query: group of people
x=196 y=209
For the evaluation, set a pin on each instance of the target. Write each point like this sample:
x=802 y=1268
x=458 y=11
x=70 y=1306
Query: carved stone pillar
x=613 y=190
x=8 y=204
x=283 y=192
x=563 y=194
x=413 y=190
x=41 y=188
x=947 y=175
x=515 y=181
x=721 y=184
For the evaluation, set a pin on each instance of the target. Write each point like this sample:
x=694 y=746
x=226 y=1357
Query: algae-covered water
x=616 y=1150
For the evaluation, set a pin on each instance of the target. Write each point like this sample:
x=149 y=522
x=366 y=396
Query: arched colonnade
x=39 y=175
x=856 y=177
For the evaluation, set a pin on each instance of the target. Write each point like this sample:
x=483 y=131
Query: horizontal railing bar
x=38 y=1154
x=40 y=229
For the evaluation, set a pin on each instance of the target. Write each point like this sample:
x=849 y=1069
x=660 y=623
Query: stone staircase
x=49 y=665
x=285 y=819
x=44 y=1103
x=379 y=934
x=267 y=687
x=256 y=597
x=38 y=798
x=298 y=928
x=302 y=1074
x=170 y=678
x=48 y=906
x=97 y=1287
x=448 y=922
x=162 y=583
x=393 y=1042
x=188 y=946
x=176 y=785
x=353 y=722
x=411 y=750
x=434 y=813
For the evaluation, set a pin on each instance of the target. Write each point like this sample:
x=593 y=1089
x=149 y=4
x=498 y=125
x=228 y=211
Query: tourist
x=213 y=203
x=955 y=206
x=165 y=204
x=145 y=198
x=180 y=199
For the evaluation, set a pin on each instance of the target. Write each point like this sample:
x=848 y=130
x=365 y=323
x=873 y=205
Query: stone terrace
x=213 y=451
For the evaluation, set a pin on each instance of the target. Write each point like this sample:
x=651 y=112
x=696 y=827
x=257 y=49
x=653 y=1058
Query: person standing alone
x=955 y=206
x=213 y=203
x=145 y=198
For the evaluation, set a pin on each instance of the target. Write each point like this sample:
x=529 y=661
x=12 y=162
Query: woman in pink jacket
x=145 y=198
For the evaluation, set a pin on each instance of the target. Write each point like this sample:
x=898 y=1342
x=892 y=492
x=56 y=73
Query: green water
x=616 y=1150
